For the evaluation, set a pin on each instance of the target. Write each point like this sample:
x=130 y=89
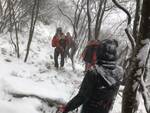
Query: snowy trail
x=38 y=76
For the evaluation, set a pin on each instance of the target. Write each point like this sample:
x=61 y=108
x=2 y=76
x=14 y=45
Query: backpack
x=55 y=41
x=89 y=53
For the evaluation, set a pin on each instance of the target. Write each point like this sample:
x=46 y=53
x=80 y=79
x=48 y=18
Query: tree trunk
x=1 y=9
x=137 y=65
x=35 y=11
x=16 y=33
x=89 y=20
x=99 y=18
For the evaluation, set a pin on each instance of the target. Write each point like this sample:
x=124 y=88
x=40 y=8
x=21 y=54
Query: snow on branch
x=143 y=63
x=145 y=95
x=144 y=51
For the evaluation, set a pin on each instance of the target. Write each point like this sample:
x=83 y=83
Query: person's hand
x=61 y=108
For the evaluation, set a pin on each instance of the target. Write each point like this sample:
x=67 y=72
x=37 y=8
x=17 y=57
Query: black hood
x=111 y=73
x=107 y=51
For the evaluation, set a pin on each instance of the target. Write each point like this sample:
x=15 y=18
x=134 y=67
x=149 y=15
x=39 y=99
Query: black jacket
x=98 y=89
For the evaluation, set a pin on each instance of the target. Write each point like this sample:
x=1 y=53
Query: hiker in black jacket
x=100 y=85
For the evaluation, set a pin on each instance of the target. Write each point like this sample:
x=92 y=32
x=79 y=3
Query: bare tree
x=13 y=16
x=13 y=22
x=89 y=19
x=35 y=11
x=76 y=20
x=99 y=18
x=138 y=65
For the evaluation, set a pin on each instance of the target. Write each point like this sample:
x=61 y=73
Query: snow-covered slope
x=38 y=76
x=32 y=79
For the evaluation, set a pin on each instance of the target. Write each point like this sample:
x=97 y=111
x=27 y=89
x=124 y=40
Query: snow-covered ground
x=33 y=79
x=38 y=76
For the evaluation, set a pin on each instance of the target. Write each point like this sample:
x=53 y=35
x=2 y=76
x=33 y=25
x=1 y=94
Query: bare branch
x=65 y=15
x=131 y=38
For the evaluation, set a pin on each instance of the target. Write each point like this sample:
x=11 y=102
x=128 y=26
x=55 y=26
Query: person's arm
x=55 y=41
x=84 y=93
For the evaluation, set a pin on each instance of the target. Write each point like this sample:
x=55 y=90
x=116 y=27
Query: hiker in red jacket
x=59 y=43
x=71 y=45
x=71 y=48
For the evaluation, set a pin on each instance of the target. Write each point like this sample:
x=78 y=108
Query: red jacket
x=55 y=40
x=68 y=40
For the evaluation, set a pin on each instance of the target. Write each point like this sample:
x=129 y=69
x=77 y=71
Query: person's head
x=59 y=30
x=68 y=34
x=107 y=50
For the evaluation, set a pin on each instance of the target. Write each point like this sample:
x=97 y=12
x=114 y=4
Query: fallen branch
x=48 y=101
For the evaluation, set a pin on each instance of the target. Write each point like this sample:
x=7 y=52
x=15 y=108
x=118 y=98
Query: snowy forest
x=31 y=80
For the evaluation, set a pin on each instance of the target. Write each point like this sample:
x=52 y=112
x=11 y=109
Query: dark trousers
x=58 y=52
